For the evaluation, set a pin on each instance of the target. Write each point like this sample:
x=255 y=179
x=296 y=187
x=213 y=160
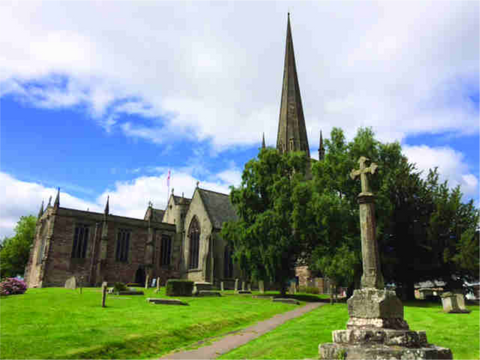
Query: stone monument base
x=377 y=343
x=381 y=352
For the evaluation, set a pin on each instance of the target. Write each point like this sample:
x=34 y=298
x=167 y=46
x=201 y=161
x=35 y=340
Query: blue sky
x=104 y=98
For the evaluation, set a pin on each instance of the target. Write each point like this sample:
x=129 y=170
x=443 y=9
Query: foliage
x=265 y=242
x=119 y=286
x=177 y=287
x=12 y=286
x=57 y=323
x=15 y=251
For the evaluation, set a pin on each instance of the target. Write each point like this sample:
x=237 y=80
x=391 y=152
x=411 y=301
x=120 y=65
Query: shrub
x=119 y=286
x=176 y=287
x=12 y=286
x=309 y=289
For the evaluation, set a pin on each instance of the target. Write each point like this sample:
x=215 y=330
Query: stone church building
x=181 y=241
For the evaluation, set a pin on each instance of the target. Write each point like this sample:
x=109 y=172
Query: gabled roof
x=157 y=215
x=177 y=199
x=218 y=207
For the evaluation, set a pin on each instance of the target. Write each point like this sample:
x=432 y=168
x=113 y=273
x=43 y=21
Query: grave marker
x=71 y=283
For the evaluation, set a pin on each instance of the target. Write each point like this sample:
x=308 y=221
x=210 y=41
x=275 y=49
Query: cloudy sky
x=105 y=97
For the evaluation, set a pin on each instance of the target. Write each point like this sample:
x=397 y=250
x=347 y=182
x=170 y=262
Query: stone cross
x=372 y=275
x=363 y=173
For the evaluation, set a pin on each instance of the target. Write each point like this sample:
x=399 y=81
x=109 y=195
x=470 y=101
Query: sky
x=104 y=98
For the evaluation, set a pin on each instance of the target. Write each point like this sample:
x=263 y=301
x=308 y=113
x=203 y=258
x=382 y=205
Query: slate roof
x=218 y=207
x=176 y=200
x=157 y=215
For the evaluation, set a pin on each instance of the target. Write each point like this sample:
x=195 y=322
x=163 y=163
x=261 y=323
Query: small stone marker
x=158 y=286
x=104 y=294
x=222 y=286
x=154 y=282
x=243 y=285
x=243 y=292
x=249 y=287
x=454 y=303
x=71 y=283
x=261 y=286
x=293 y=288
x=286 y=301
x=236 y=285
x=166 y=301
x=146 y=282
x=104 y=284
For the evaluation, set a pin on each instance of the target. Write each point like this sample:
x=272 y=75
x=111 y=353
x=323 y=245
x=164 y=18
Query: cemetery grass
x=54 y=323
x=299 y=338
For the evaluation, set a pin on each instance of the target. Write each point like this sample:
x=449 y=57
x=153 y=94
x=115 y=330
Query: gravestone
x=104 y=284
x=201 y=286
x=236 y=285
x=104 y=293
x=261 y=286
x=293 y=288
x=158 y=286
x=376 y=328
x=454 y=303
x=249 y=287
x=243 y=286
x=154 y=282
x=222 y=286
x=146 y=282
x=71 y=283
x=166 y=301
x=208 y=293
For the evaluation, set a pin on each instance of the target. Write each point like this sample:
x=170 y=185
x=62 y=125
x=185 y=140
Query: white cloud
x=451 y=166
x=197 y=70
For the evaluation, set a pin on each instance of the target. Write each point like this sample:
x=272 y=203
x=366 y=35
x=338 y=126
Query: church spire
x=292 y=132
x=321 y=149
x=106 y=212
x=263 y=141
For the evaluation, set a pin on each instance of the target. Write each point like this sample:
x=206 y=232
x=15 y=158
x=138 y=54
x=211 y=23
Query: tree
x=15 y=251
x=265 y=242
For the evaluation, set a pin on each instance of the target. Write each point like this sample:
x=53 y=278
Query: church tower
x=292 y=132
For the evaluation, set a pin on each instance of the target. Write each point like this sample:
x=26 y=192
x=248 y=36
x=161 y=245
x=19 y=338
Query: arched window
x=194 y=235
x=227 y=263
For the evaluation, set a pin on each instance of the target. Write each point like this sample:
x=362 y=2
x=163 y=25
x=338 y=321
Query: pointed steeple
x=49 y=201
x=107 y=206
x=56 y=204
x=321 y=149
x=40 y=212
x=263 y=141
x=292 y=132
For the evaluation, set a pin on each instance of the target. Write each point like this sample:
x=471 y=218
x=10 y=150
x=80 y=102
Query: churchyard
x=62 y=323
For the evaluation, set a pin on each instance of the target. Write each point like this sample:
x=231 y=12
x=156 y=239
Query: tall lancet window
x=194 y=235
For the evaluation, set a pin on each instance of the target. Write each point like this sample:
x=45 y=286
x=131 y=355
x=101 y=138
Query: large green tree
x=265 y=242
x=16 y=250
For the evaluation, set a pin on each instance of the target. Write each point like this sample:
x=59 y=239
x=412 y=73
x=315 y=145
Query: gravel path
x=241 y=337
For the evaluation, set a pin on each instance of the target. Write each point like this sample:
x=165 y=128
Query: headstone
x=249 y=287
x=154 y=282
x=104 y=284
x=454 y=303
x=146 y=282
x=166 y=301
x=236 y=285
x=243 y=285
x=261 y=286
x=201 y=285
x=71 y=283
x=222 y=286
x=104 y=295
x=376 y=328
x=158 y=286
x=286 y=301
x=293 y=288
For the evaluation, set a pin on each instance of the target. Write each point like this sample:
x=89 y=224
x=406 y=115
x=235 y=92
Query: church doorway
x=140 y=276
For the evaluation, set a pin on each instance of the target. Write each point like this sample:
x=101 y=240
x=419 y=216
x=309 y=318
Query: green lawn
x=60 y=323
x=299 y=338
